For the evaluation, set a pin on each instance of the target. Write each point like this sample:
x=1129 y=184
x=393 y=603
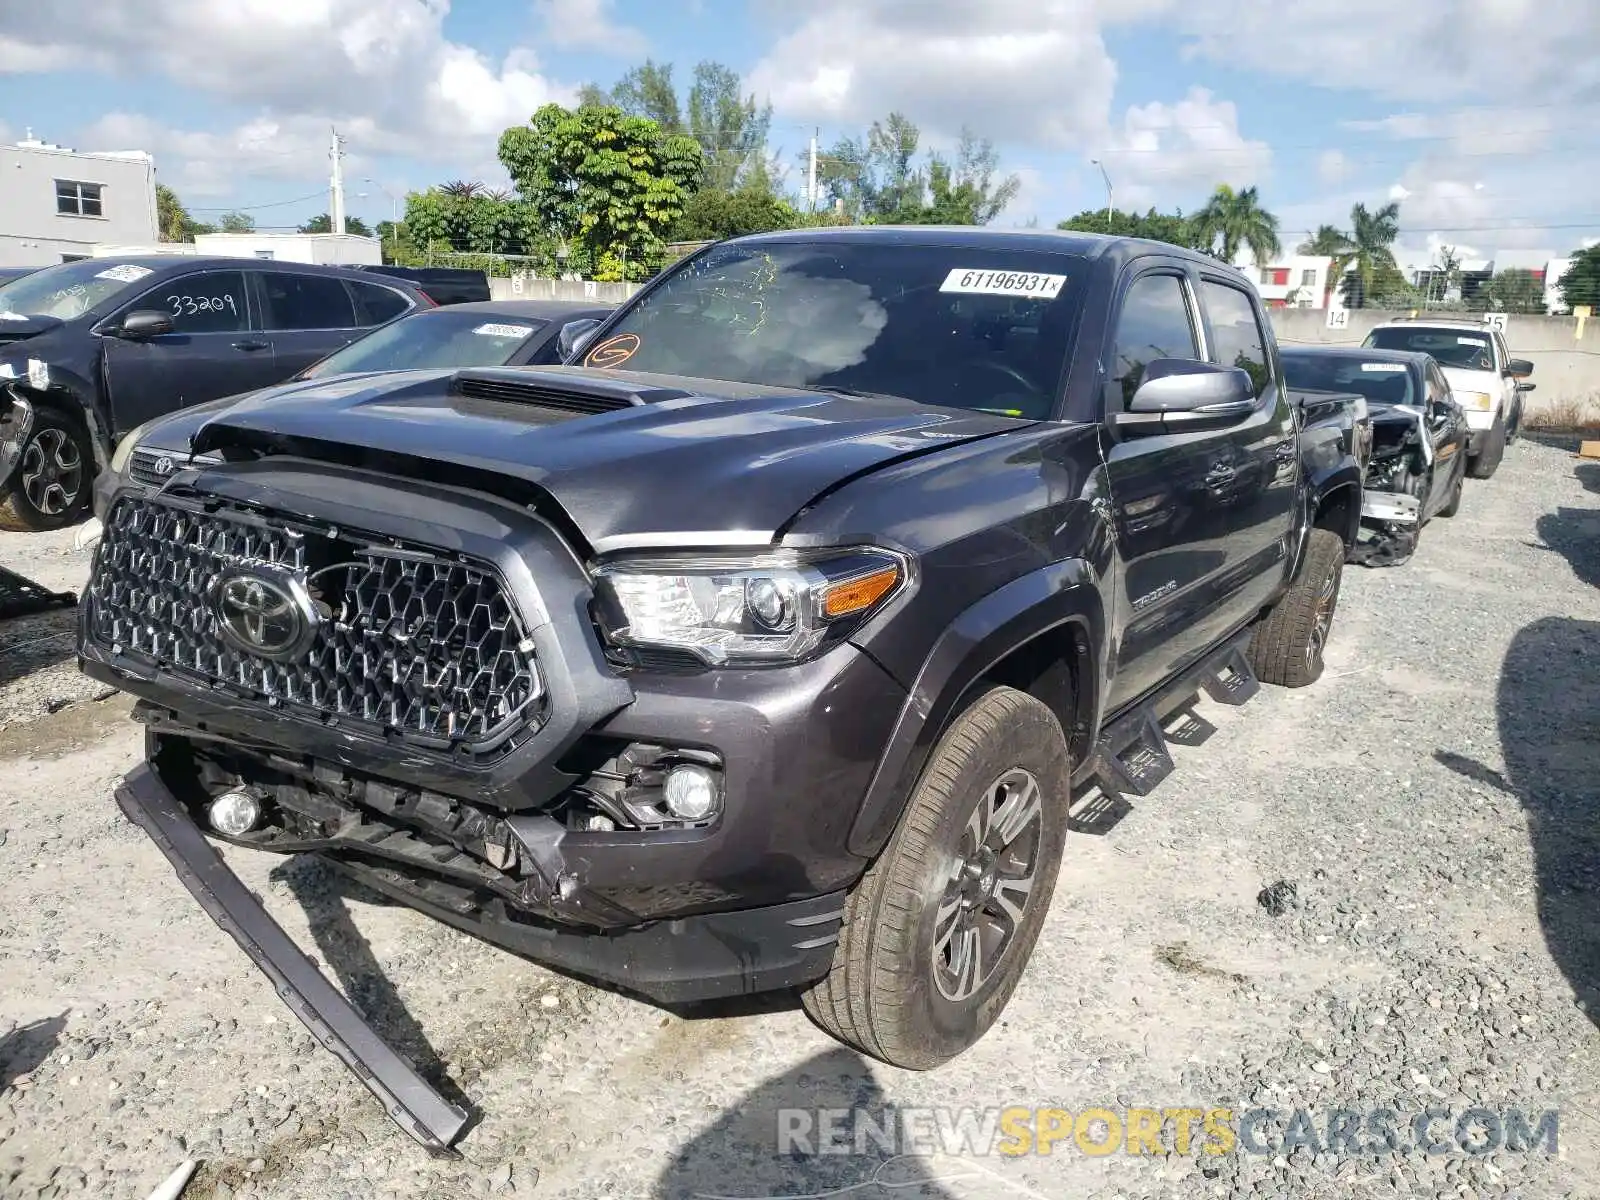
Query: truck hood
x=1463 y=380
x=682 y=461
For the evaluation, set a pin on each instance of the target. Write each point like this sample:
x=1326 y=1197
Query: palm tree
x=1329 y=241
x=1374 y=235
x=462 y=189
x=1238 y=219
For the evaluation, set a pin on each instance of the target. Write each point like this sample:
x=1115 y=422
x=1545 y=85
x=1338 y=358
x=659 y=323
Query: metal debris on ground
x=21 y=596
x=1278 y=899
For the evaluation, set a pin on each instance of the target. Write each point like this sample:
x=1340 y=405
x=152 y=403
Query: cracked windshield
x=720 y=600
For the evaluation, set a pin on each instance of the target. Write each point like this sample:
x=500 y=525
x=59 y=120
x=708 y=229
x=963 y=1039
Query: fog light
x=234 y=813
x=690 y=793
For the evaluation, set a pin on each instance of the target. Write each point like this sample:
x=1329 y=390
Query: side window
x=1154 y=323
x=375 y=304
x=306 y=302
x=1438 y=387
x=1236 y=332
x=210 y=302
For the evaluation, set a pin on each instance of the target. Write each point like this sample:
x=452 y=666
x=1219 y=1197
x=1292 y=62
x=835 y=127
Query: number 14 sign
x=1338 y=318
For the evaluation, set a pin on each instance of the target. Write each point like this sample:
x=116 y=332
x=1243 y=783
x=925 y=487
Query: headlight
x=1480 y=401
x=124 y=450
x=772 y=608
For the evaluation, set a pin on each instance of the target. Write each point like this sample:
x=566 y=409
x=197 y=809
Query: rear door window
x=1236 y=336
x=306 y=302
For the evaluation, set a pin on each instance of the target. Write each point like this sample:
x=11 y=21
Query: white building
x=1554 y=301
x=56 y=204
x=1294 y=281
x=329 y=249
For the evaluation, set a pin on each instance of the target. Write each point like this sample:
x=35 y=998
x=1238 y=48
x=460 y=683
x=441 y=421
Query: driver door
x=211 y=352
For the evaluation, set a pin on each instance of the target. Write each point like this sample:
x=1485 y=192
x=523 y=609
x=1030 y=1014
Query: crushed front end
x=1393 y=490
x=411 y=683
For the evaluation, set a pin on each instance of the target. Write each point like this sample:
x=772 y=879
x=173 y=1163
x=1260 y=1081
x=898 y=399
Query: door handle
x=1220 y=474
x=247 y=346
x=1285 y=452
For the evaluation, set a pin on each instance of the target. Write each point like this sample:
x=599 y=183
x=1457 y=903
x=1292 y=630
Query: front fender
x=1063 y=594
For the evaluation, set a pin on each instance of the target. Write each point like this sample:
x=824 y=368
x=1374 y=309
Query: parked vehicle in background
x=1418 y=463
x=500 y=333
x=762 y=650
x=442 y=285
x=7 y=274
x=1488 y=383
x=92 y=349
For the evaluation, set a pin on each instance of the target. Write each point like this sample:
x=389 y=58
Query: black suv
x=765 y=647
x=91 y=349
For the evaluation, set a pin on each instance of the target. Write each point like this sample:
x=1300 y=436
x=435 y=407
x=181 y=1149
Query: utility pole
x=336 y=153
x=811 y=186
x=1109 y=192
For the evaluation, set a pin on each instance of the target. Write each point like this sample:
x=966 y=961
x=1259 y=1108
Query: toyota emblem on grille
x=265 y=613
x=164 y=465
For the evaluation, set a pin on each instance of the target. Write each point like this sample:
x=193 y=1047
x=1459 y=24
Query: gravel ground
x=1433 y=800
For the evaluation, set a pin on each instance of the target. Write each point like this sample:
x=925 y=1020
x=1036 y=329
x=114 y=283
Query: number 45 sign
x=1495 y=321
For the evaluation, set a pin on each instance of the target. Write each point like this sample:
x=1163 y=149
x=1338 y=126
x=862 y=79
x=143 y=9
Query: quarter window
x=306 y=302
x=1235 y=332
x=211 y=302
x=1154 y=323
x=377 y=305
x=75 y=199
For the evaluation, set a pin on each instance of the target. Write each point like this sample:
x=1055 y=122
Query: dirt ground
x=1434 y=800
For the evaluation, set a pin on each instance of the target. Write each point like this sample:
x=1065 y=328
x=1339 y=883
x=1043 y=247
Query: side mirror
x=1179 y=395
x=144 y=323
x=1526 y=387
x=1519 y=368
x=574 y=336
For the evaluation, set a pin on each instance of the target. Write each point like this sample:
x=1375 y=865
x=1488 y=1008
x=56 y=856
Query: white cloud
x=1166 y=150
x=381 y=69
x=1514 y=50
x=1023 y=72
x=588 y=25
x=1332 y=167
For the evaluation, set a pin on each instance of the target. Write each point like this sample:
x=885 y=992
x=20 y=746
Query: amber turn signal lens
x=842 y=599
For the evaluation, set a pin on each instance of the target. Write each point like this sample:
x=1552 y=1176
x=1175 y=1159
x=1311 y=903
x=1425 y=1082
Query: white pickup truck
x=1484 y=379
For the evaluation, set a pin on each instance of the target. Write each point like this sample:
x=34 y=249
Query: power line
x=257 y=207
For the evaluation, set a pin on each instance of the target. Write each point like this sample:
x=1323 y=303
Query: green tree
x=1173 y=228
x=606 y=184
x=1233 y=219
x=236 y=222
x=323 y=223
x=878 y=181
x=731 y=129
x=1372 y=235
x=477 y=222
x=174 y=224
x=1580 y=282
x=711 y=215
x=649 y=92
x=1514 y=290
x=1329 y=241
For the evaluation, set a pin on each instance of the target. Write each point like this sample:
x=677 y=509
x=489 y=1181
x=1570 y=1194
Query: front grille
x=154 y=467
x=406 y=639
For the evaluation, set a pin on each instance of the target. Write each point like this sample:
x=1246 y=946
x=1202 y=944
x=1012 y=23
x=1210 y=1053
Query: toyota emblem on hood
x=263 y=612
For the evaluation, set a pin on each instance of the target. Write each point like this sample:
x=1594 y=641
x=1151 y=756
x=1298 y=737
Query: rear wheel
x=1453 y=505
x=1287 y=644
x=940 y=928
x=52 y=486
x=1486 y=462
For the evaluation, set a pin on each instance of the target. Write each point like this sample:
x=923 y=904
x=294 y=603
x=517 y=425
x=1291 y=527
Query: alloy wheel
x=52 y=472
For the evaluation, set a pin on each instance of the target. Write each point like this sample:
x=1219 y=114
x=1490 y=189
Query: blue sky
x=1320 y=104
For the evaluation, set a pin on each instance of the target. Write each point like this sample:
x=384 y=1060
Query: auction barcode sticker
x=124 y=273
x=1383 y=366
x=496 y=330
x=978 y=282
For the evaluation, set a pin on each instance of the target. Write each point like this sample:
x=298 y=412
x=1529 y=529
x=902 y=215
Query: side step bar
x=1133 y=756
x=411 y=1103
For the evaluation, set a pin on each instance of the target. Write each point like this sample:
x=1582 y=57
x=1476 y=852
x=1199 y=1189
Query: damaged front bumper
x=408 y=1099
x=16 y=424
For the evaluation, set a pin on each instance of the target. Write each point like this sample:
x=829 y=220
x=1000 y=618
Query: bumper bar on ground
x=408 y=1099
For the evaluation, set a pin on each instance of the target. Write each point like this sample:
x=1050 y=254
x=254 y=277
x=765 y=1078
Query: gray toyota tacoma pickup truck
x=778 y=640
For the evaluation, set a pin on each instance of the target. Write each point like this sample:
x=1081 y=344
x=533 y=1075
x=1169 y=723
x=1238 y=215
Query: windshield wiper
x=856 y=393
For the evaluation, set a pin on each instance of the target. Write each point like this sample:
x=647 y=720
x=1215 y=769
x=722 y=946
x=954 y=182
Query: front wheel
x=1287 y=644
x=940 y=928
x=1486 y=462
x=52 y=486
x=1453 y=505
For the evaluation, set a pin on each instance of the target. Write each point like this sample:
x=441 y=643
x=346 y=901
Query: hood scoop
x=553 y=390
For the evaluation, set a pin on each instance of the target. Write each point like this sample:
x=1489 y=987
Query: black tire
x=1514 y=430
x=53 y=486
x=1486 y=462
x=1453 y=505
x=1287 y=644
x=892 y=992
